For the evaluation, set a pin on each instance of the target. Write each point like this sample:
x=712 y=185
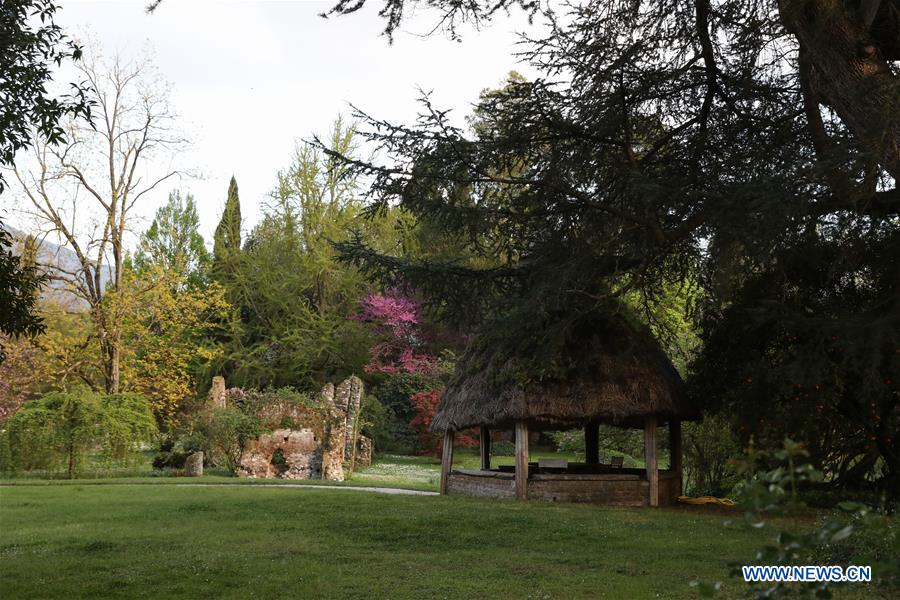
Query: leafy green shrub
x=614 y=441
x=503 y=448
x=375 y=422
x=852 y=535
x=568 y=442
x=6 y=464
x=279 y=461
x=169 y=459
x=173 y=451
x=61 y=428
x=709 y=448
x=128 y=422
x=282 y=407
x=226 y=432
x=394 y=393
x=875 y=541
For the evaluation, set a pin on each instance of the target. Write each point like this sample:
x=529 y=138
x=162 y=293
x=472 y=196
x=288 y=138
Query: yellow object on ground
x=706 y=500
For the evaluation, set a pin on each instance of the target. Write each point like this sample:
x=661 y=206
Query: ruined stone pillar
x=363 y=452
x=333 y=444
x=342 y=396
x=193 y=465
x=351 y=422
x=217 y=392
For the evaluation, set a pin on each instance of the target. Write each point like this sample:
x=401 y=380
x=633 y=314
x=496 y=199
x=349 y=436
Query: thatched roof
x=563 y=375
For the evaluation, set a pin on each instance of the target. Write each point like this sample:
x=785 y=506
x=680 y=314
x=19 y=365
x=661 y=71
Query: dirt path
x=306 y=486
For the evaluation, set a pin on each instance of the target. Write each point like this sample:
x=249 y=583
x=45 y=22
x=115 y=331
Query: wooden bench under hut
x=612 y=372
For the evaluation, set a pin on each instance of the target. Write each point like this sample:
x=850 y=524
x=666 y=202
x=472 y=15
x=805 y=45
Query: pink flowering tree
x=395 y=317
x=413 y=374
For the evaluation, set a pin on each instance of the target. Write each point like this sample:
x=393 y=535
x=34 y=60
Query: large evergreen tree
x=753 y=142
x=173 y=241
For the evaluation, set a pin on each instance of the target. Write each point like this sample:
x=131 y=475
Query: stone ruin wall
x=327 y=449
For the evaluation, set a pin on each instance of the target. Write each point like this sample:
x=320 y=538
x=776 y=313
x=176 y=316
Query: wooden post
x=521 y=460
x=592 y=443
x=650 y=459
x=446 y=460
x=485 y=446
x=676 y=460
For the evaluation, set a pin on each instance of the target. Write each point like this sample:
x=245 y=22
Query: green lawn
x=172 y=541
x=411 y=472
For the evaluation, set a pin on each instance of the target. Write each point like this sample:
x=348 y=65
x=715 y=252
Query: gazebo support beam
x=446 y=460
x=521 y=460
x=676 y=460
x=592 y=443
x=485 y=447
x=650 y=459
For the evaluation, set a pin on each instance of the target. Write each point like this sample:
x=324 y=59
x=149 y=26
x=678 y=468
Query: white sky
x=251 y=78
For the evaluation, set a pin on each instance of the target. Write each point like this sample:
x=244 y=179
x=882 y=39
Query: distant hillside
x=59 y=259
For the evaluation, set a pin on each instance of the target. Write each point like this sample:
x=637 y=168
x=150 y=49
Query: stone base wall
x=610 y=489
x=499 y=485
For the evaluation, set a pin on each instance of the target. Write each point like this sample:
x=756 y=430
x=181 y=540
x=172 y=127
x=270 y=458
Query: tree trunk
x=521 y=460
x=652 y=470
x=485 y=447
x=886 y=443
x=115 y=352
x=851 y=74
x=446 y=460
x=71 y=469
x=110 y=351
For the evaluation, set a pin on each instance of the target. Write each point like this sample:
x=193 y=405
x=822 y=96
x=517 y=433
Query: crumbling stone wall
x=324 y=446
x=300 y=456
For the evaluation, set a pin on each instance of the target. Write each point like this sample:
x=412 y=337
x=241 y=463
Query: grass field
x=410 y=472
x=172 y=541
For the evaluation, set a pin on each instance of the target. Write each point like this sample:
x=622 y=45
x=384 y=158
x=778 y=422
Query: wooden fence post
x=446 y=460
x=650 y=459
x=521 y=460
x=485 y=447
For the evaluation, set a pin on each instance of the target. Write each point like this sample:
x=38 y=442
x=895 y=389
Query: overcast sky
x=249 y=79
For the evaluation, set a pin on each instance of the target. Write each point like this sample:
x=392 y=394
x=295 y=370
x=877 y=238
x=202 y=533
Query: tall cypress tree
x=227 y=239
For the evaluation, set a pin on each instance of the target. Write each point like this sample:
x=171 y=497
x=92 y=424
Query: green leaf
x=842 y=533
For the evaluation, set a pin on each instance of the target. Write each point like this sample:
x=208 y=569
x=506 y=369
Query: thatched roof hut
x=606 y=369
x=564 y=373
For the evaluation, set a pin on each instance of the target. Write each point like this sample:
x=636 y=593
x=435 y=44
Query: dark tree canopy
x=754 y=142
x=31 y=46
x=19 y=285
